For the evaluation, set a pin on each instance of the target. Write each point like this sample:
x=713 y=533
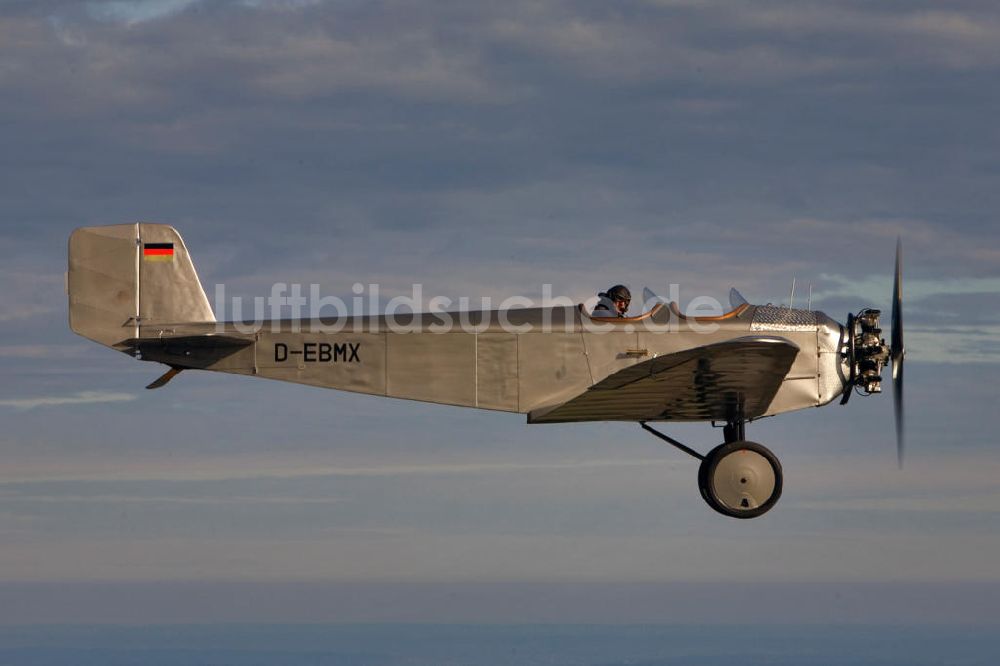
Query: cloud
x=131 y=12
x=953 y=343
x=488 y=148
x=229 y=470
x=80 y=398
x=24 y=312
x=702 y=554
x=914 y=290
x=42 y=351
x=28 y=292
x=122 y=499
x=986 y=502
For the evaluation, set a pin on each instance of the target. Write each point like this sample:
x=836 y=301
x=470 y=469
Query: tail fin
x=126 y=275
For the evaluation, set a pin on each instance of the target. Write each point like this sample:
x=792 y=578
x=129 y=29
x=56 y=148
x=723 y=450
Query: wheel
x=740 y=479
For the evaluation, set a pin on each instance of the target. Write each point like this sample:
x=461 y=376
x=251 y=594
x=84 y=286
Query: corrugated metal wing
x=712 y=382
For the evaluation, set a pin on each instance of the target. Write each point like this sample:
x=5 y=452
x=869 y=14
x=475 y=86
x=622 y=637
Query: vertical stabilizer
x=125 y=276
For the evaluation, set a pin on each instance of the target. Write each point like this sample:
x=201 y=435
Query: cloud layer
x=484 y=150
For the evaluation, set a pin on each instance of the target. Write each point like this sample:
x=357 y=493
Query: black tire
x=708 y=481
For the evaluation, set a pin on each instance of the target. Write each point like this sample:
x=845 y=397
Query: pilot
x=613 y=302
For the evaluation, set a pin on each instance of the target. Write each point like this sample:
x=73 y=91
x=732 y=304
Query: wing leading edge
x=713 y=382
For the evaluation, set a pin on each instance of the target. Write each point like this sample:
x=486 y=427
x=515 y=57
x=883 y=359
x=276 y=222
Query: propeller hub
x=867 y=351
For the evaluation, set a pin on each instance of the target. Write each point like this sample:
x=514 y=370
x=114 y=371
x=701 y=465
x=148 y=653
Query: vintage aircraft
x=133 y=287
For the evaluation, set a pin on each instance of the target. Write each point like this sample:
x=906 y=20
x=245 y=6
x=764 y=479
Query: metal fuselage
x=521 y=360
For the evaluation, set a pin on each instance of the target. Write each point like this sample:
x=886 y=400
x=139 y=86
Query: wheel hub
x=743 y=479
x=740 y=479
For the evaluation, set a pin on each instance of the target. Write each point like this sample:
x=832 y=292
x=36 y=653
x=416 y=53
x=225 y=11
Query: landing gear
x=739 y=479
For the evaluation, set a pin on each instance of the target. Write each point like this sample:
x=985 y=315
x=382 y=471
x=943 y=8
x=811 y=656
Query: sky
x=485 y=150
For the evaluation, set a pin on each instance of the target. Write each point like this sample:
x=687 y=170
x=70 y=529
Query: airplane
x=133 y=287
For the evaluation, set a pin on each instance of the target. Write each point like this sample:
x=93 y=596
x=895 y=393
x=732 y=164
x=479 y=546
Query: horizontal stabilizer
x=193 y=351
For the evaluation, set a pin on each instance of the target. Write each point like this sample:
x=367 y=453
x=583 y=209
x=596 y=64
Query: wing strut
x=670 y=440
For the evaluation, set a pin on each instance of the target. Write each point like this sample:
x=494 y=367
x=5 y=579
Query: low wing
x=710 y=383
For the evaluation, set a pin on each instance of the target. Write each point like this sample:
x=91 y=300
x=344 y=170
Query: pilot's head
x=621 y=297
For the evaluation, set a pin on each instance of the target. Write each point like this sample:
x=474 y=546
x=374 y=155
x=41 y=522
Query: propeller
x=897 y=352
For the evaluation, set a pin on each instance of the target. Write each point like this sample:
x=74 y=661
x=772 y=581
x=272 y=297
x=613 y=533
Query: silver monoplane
x=133 y=287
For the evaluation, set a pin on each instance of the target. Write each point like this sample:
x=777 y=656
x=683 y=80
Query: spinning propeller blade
x=897 y=352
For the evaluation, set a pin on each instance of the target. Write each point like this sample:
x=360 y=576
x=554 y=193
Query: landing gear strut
x=738 y=478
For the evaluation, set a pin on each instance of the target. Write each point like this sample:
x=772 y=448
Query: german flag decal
x=158 y=251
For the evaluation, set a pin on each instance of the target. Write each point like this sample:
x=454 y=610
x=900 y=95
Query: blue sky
x=485 y=150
